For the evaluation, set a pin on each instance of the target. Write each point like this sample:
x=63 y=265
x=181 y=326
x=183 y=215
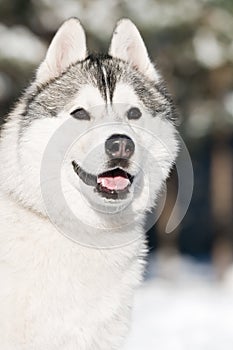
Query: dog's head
x=121 y=140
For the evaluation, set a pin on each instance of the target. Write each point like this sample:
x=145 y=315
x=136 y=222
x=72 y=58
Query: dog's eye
x=81 y=114
x=134 y=113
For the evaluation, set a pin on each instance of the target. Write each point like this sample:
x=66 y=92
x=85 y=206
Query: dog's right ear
x=67 y=47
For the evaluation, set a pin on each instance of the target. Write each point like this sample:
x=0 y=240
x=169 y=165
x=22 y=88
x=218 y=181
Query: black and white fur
x=57 y=294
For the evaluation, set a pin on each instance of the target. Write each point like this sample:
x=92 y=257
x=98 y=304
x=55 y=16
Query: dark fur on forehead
x=103 y=72
x=106 y=84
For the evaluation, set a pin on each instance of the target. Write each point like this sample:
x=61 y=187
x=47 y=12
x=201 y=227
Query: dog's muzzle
x=116 y=181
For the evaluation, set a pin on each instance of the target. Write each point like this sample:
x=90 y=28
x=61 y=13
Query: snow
x=184 y=307
x=208 y=49
x=29 y=48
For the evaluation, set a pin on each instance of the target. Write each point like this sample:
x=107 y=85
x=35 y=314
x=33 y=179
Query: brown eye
x=81 y=114
x=134 y=113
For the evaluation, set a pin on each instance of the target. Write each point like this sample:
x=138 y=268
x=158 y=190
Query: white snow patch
x=19 y=43
x=208 y=49
x=183 y=312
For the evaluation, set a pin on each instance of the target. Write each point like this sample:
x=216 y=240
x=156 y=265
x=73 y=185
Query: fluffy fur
x=57 y=294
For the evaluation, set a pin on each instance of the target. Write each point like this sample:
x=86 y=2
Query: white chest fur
x=56 y=294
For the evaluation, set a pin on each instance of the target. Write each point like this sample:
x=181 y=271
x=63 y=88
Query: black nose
x=119 y=146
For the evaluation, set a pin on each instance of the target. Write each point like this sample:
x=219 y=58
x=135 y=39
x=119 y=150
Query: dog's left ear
x=127 y=45
x=67 y=47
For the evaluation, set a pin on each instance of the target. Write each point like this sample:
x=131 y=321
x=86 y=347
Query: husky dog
x=59 y=292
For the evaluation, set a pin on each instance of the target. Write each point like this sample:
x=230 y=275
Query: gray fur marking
x=47 y=101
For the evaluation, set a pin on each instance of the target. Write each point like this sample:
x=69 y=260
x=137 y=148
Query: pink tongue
x=114 y=183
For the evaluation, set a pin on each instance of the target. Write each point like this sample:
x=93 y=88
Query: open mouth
x=112 y=184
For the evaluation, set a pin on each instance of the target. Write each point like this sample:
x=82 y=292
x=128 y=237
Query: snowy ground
x=182 y=306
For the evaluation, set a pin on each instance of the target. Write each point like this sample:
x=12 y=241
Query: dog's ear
x=67 y=47
x=127 y=45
